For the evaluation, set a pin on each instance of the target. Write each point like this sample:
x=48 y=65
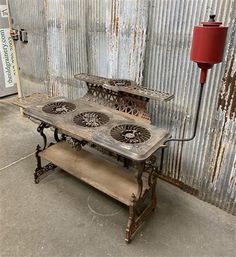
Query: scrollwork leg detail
x=40 y=129
x=144 y=202
x=56 y=136
x=41 y=172
x=151 y=169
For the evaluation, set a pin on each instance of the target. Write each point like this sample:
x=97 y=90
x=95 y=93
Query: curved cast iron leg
x=40 y=129
x=41 y=172
x=145 y=202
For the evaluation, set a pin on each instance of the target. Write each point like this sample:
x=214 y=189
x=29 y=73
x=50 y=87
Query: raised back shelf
x=124 y=85
x=121 y=94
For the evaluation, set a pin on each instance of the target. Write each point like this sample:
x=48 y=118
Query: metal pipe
x=196 y=120
x=194 y=131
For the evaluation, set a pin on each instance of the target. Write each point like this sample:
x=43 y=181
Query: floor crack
x=17 y=161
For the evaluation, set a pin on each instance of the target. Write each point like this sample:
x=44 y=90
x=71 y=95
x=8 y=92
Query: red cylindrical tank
x=208 y=45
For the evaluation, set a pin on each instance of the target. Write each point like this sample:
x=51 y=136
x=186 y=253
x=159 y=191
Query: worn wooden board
x=109 y=178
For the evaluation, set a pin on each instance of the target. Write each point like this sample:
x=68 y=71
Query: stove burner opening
x=91 y=119
x=130 y=133
x=59 y=107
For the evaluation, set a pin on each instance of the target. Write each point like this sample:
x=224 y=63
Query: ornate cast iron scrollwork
x=56 y=136
x=41 y=172
x=75 y=143
x=120 y=101
x=40 y=129
x=151 y=169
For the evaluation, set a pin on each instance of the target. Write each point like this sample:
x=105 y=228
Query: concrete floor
x=63 y=217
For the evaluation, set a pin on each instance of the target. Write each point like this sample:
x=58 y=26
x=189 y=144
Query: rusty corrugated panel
x=105 y=38
x=206 y=164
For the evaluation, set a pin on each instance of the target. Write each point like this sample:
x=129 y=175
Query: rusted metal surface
x=122 y=95
x=28 y=100
x=180 y=184
x=227 y=97
x=147 y=42
x=95 y=37
x=126 y=86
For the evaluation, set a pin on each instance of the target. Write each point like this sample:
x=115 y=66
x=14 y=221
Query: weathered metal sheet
x=97 y=37
x=32 y=57
x=149 y=42
x=207 y=164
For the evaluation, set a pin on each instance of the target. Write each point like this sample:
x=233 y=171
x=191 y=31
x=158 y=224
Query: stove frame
x=128 y=176
x=141 y=203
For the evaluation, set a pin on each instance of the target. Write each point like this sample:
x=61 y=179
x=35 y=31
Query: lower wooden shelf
x=107 y=177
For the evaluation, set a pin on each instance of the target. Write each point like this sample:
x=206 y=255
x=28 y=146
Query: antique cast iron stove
x=105 y=138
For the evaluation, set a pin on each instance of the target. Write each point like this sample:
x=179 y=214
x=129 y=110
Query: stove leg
x=40 y=129
x=39 y=174
x=146 y=201
x=138 y=212
x=131 y=221
x=41 y=171
x=154 y=199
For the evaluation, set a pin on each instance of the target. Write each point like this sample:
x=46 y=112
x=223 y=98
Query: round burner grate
x=59 y=107
x=91 y=119
x=130 y=133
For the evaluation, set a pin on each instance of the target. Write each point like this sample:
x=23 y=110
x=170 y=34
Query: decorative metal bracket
x=75 y=143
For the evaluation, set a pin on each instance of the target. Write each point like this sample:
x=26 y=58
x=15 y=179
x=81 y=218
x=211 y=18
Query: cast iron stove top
x=100 y=125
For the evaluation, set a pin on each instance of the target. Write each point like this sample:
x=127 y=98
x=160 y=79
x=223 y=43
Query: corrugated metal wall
x=32 y=57
x=97 y=37
x=147 y=41
x=208 y=163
